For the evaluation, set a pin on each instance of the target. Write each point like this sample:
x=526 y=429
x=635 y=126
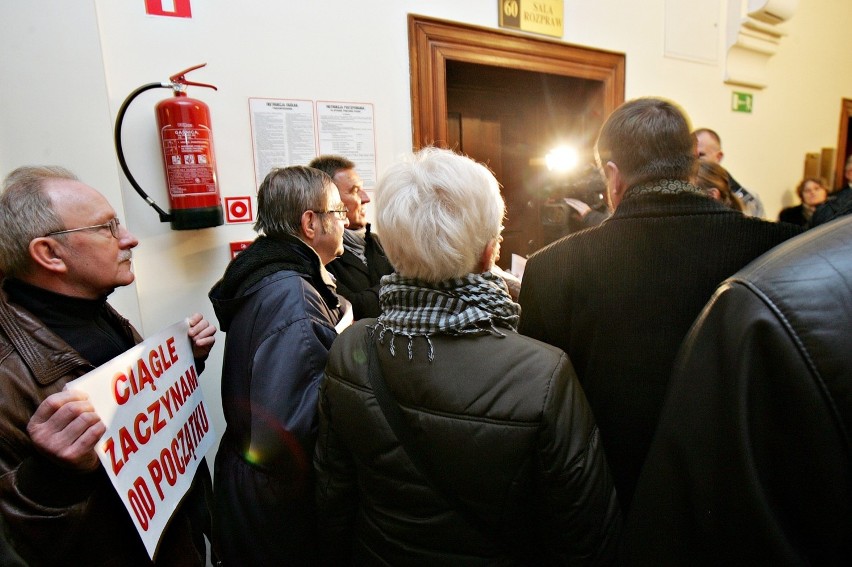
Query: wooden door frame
x=842 y=148
x=433 y=42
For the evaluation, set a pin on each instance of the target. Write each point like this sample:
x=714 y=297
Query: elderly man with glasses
x=278 y=306
x=63 y=251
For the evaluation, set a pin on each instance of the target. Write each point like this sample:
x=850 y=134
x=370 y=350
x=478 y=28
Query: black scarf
x=85 y=324
x=271 y=254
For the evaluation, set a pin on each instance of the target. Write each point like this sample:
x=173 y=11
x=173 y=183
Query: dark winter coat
x=620 y=297
x=794 y=215
x=505 y=425
x=278 y=313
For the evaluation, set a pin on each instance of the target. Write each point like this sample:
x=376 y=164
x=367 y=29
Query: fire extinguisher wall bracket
x=186 y=142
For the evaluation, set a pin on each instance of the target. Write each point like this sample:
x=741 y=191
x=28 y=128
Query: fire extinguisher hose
x=164 y=216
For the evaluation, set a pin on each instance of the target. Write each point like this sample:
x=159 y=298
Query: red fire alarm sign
x=237 y=247
x=238 y=209
x=173 y=8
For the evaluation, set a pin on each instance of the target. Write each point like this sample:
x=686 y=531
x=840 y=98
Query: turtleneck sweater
x=82 y=323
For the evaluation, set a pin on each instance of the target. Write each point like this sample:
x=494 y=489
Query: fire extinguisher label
x=190 y=166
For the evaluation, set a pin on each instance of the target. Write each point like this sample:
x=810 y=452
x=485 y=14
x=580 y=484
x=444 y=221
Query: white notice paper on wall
x=346 y=129
x=282 y=134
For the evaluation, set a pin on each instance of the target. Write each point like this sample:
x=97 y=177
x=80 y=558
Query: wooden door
x=504 y=99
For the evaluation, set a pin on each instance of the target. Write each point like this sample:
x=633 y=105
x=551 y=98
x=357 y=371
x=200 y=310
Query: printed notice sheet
x=158 y=429
x=282 y=133
x=346 y=128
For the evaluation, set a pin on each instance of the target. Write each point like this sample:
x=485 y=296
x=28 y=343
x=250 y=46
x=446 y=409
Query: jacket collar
x=268 y=255
x=48 y=357
x=351 y=260
x=667 y=198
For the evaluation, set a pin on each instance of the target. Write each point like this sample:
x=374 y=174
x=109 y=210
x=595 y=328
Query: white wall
x=54 y=107
x=65 y=68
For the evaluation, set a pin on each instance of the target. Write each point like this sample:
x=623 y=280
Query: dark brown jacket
x=57 y=516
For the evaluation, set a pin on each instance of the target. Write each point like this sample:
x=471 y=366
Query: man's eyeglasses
x=112 y=225
x=339 y=213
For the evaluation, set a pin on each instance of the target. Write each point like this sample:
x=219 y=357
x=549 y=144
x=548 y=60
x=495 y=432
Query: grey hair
x=26 y=212
x=436 y=212
x=285 y=194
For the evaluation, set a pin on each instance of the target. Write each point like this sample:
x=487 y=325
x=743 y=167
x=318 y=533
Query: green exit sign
x=742 y=102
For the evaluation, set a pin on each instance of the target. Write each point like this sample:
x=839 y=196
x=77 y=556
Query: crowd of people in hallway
x=670 y=386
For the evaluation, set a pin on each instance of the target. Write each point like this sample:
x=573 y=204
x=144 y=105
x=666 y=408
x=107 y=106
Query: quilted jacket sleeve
x=581 y=516
x=336 y=489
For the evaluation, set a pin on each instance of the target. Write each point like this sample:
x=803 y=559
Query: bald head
x=59 y=234
x=708 y=145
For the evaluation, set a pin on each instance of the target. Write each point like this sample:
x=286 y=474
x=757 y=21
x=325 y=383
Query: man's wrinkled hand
x=202 y=335
x=65 y=428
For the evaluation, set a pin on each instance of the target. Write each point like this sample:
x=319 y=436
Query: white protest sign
x=157 y=426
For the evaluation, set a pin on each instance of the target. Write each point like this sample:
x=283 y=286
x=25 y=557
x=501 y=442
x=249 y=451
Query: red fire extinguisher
x=186 y=142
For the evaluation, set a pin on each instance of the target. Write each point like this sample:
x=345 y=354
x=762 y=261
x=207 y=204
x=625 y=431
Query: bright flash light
x=562 y=159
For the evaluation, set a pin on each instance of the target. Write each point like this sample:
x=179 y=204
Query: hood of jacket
x=266 y=256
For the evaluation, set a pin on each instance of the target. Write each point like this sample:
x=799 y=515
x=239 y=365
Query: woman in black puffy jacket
x=501 y=461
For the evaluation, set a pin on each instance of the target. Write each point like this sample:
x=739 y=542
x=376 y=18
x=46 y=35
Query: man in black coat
x=751 y=463
x=359 y=271
x=620 y=297
x=277 y=305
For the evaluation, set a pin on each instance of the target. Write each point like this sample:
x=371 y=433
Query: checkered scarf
x=475 y=303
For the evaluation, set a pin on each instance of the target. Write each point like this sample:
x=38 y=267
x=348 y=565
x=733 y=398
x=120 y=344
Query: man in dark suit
x=359 y=271
x=620 y=297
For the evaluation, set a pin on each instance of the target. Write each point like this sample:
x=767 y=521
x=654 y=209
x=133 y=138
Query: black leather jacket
x=752 y=461
x=505 y=422
x=56 y=516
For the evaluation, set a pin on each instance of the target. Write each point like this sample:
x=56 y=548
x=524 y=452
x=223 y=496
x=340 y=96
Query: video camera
x=571 y=200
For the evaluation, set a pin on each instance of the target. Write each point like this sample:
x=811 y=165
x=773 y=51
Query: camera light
x=562 y=159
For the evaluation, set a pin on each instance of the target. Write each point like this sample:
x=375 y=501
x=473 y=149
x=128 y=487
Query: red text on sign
x=129 y=383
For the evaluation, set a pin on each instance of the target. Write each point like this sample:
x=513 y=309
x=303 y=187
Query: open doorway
x=505 y=99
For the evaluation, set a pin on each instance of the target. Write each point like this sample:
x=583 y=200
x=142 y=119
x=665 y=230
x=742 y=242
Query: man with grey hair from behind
x=277 y=304
x=445 y=436
x=63 y=251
